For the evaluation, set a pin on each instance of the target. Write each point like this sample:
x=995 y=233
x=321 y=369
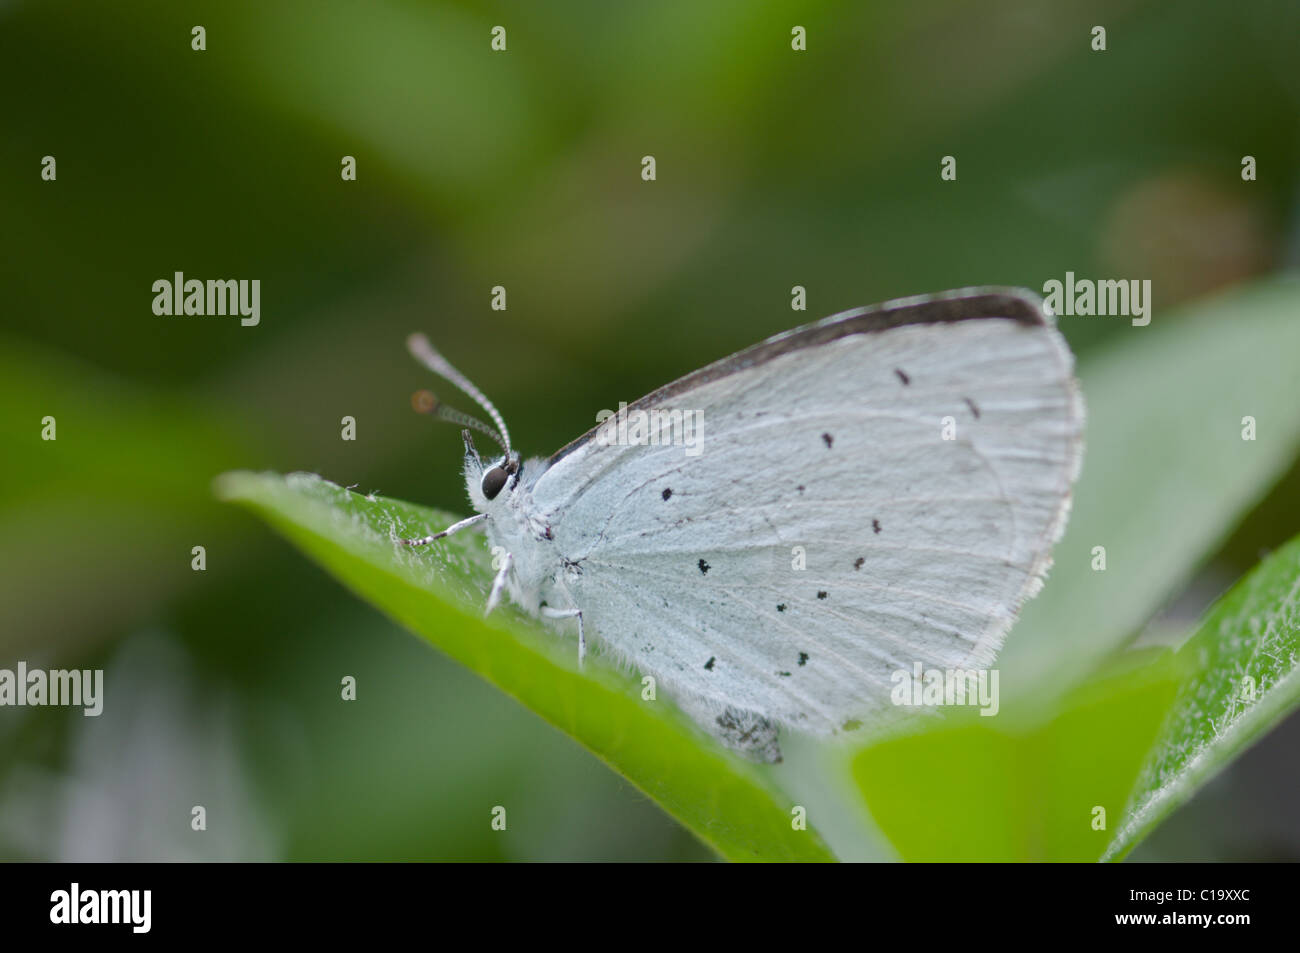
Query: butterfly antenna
x=424 y=352
x=426 y=402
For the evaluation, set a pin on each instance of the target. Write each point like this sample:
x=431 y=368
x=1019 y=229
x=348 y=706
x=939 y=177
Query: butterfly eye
x=493 y=481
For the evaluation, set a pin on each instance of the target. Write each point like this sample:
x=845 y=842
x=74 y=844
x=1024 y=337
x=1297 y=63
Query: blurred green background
x=522 y=169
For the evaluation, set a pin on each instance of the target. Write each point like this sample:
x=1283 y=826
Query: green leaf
x=438 y=592
x=1012 y=787
x=1243 y=664
x=1166 y=473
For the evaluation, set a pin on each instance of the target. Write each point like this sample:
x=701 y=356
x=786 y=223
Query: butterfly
x=870 y=492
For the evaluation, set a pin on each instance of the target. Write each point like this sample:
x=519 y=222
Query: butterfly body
x=874 y=491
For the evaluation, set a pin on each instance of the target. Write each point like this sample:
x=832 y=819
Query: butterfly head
x=492 y=482
x=489 y=484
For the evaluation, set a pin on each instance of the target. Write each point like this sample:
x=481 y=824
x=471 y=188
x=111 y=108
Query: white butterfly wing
x=877 y=489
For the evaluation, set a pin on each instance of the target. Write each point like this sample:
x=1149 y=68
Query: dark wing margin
x=963 y=304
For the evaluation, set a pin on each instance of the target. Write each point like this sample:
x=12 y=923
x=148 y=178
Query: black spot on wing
x=704 y=567
x=667 y=492
x=829 y=440
x=780 y=607
x=902 y=377
x=821 y=594
x=708 y=666
x=875 y=526
x=857 y=563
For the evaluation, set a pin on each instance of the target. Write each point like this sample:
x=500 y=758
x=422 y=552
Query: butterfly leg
x=453 y=528
x=499 y=583
x=550 y=613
